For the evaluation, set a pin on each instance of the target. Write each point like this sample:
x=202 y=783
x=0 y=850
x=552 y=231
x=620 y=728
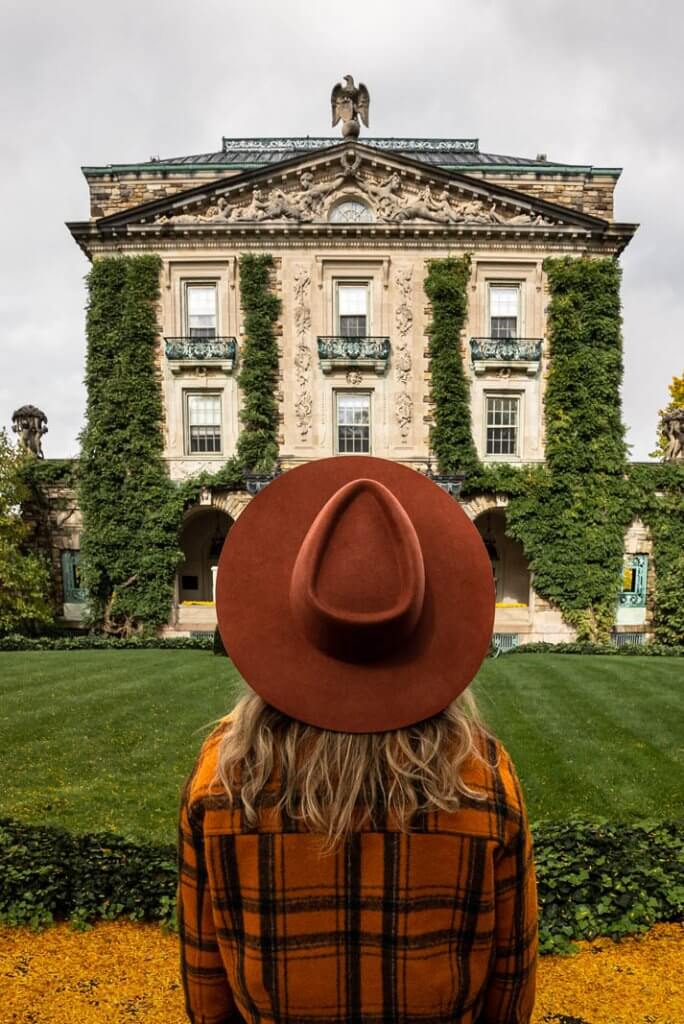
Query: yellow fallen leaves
x=120 y=972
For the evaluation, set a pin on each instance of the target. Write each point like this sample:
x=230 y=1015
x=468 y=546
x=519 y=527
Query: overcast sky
x=87 y=82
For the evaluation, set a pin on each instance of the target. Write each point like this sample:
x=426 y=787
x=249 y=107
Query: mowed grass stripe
x=108 y=743
x=590 y=734
x=104 y=739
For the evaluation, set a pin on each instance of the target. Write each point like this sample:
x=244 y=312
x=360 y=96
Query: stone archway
x=202 y=534
x=509 y=564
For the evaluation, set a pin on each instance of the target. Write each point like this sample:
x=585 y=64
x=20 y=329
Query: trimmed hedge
x=49 y=873
x=15 y=642
x=594 y=878
x=98 y=642
x=631 y=650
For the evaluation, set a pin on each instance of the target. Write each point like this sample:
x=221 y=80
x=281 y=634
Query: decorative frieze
x=303 y=358
x=392 y=198
x=403 y=318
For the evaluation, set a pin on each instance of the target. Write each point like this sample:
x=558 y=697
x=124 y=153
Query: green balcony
x=515 y=354
x=337 y=352
x=212 y=354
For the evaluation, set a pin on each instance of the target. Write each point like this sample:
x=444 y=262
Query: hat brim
x=413 y=682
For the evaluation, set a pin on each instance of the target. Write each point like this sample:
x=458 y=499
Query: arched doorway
x=201 y=539
x=509 y=564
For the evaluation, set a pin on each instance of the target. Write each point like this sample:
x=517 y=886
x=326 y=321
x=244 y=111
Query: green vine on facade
x=257 y=447
x=657 y=497
x=129 y=505
x=132 y=511
x=451 y=439
x=571 y=514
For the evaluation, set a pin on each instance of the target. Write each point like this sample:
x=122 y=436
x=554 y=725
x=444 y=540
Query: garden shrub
x=629 y=650
x=98 y=642
x=594 y=878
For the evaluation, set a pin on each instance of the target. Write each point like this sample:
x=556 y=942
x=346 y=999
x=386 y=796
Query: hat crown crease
x=358 y=583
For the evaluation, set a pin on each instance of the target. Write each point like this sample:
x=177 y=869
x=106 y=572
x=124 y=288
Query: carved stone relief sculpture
x=303 y=357
x=673 y=432
x=403 y=403
x=391 y=198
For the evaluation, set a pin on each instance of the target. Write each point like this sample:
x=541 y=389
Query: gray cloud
x=93 y=83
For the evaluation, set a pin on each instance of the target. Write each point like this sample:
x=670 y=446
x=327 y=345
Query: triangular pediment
x=350 y=184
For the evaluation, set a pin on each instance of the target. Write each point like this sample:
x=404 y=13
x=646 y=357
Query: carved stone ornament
x=30 y=423
x=388 y=197
x=403 y=404
x=303 y=358
x=403 y=410
x=354 y=377
x=673 y=432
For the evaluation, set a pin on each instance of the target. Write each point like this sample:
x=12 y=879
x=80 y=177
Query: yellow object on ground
x=120 y=972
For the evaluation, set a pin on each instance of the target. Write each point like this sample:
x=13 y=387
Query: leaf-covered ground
x=120 y=972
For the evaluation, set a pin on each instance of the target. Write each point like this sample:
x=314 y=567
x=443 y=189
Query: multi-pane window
x=353 y=422
x=352 y=310
x=502 y=425
x=204 y=423
x=504 y=311
x=201 y=310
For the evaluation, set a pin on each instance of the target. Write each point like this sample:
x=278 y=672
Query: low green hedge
x=95 y=642
x=629 y=650
x=48 y=873
x=594 y=878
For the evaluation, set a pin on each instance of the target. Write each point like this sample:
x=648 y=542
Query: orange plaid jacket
x=438 y=924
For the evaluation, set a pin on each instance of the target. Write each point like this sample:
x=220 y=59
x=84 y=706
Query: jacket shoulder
x=199 y=783
x=496 y=808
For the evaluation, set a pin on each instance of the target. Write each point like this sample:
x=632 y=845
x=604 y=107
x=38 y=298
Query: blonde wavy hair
x=336 y=782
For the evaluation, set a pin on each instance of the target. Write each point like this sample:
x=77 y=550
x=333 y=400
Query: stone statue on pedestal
x=673 y=430
x=350 y=103
x=30 y=424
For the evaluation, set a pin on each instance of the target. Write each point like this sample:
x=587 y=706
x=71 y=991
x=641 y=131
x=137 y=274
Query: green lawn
x=104 y=739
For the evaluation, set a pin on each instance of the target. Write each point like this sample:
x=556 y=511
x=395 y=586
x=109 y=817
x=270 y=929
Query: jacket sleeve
x=208 y=996
x=511 y=988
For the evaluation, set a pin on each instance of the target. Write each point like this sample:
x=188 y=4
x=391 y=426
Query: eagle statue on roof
x=350 y=103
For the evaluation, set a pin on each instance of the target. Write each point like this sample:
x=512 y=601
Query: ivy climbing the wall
x=657 y=497
x=129 y=505
x=451 y=439
x=132 y=511
x=570 y=515
x=257 y=447
x=572 y=518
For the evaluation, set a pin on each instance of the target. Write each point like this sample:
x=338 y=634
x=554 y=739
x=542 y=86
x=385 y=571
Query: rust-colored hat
x=354 y=594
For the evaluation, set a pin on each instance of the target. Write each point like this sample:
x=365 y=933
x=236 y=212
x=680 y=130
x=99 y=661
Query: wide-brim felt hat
x=354 y=594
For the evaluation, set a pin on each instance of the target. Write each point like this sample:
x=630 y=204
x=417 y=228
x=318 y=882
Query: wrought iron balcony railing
x=338 y=351
x=193 y=351
x=518 y=353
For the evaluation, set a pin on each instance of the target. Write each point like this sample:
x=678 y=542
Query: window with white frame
x=201 y=310
x=504 y=311
x=353 y=422
x=502 y=420
x=203 y=422
x=352 y=309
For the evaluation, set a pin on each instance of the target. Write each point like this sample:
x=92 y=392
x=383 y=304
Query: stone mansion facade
x=352 y=225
